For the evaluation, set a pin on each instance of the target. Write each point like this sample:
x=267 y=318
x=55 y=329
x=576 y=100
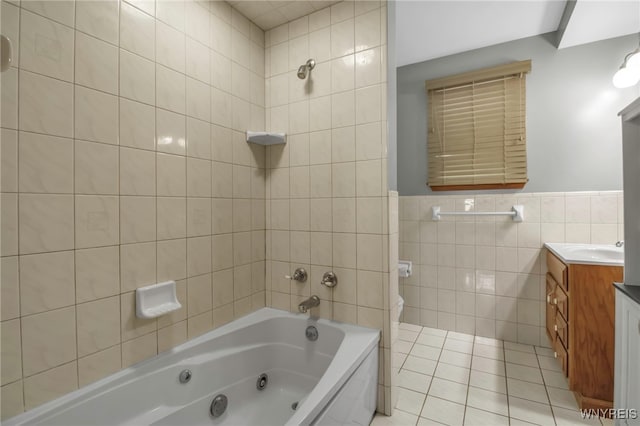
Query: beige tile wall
x=485 y=275
x=327 y=199
x=124 y=164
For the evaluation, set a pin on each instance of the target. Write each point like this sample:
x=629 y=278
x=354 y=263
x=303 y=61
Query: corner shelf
x=266 y=138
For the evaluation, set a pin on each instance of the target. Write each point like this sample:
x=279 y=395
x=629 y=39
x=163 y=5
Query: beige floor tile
x=488 y=341
x=487 y=365
x=460 y=336
x=565 y=417
x=544 y=351
x=456 y=358
x=475 y=417
x=403 y=346
x=529 y=411
x=489 y=401
x=521 y=358
x=451 y=391
x=399 y=418
x=428 y=422
x=555 y=379
x=410 y=327
x=414 y=381
x=471 y=378
x=518 y=422
x=407 y=335
x=458 y=346
x=452 y=372
x=434 y=331
x=562 y=398
x=549 y=363
x=488 y=351
x=522 y=372
x=606 y=422
x=519 y=347
x=420 y=365
x=442 y=411
x=491 y=382
x=410 y=401
x=424 y=351
x=527 y=390
x=430 y=340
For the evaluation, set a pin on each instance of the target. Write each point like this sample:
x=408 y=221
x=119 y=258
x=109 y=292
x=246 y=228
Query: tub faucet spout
x=311 y=302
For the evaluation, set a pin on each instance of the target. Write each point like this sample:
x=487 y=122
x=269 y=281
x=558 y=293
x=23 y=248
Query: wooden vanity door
x=591 y=322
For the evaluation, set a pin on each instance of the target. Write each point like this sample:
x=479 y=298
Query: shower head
x=304 y=69
x=302 y=72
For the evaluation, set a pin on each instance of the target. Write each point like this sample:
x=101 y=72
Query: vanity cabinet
x=627 y=393
x=580 y=316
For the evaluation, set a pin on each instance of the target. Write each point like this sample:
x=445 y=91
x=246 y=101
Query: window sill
x=477 y=187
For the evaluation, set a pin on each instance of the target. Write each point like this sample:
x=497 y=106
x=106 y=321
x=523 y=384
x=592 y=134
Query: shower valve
x=299 y=275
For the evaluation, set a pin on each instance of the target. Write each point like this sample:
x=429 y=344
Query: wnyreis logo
x=613 y=413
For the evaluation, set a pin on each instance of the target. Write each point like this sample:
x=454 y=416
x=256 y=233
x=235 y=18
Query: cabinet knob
x=555 y=354
x=555 y=327
x=555 y=301
x=548 y=298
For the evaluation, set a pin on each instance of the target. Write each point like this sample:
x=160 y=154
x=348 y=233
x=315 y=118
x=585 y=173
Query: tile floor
x=458 y=379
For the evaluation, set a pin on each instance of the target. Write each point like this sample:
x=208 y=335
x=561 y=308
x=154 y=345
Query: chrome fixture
x=299 y=275
x=312 y=333
x=219 y=405
x=620 y=243
x=629 y=73
x=304 y=69
x=311 y=302
x=330 y=279
x=185 y=376
x=262 y=381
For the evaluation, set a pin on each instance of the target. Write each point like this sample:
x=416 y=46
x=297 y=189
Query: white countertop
x=588 y=254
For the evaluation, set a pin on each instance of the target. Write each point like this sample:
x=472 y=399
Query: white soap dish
x=266 y=138
x=157 y=299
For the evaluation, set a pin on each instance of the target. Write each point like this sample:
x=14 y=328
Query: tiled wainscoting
x=484 y=275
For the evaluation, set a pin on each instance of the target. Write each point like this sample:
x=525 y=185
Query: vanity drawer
x=551 y=307
x=558 y=270
x=562 y=330
x=562 y=302
x=561 y=355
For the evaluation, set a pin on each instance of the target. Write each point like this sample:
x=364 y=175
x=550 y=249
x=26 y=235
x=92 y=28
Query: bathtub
x=332 y=380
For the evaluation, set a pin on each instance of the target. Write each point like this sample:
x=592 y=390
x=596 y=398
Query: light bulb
x=633 y=62
x=625 y=77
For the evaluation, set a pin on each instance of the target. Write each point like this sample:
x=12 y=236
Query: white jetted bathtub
x=332 y=380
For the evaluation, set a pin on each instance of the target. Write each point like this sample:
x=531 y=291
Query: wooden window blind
x=476 y=136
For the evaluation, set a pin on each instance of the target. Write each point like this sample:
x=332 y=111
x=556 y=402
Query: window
x=476 y=136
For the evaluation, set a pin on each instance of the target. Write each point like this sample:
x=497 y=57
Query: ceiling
x=586 y=23
x=431 y=29
x=427 y=29
x=269 y=14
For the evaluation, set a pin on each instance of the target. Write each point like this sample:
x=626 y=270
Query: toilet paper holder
x=404 y=268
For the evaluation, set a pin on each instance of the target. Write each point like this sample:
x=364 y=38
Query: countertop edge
x=632 y=291
x=569 y=261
